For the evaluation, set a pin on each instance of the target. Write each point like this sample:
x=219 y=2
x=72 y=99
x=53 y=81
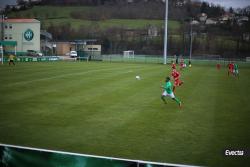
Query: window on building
x=10 y=26
x=6 y=26
x=10 y=36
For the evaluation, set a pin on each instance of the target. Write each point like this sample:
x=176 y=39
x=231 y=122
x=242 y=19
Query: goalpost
x=128 y=54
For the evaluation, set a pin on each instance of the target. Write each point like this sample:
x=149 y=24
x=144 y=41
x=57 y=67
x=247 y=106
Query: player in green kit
x=169 y=92
x=236 y=70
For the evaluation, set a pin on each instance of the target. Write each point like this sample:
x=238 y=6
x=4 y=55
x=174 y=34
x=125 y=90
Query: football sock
x=177 y=100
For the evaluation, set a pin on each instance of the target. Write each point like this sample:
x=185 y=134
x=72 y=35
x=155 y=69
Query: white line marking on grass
x=96 y=156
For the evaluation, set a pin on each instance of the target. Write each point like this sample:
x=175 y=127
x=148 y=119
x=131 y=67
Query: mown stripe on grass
x=113 y=114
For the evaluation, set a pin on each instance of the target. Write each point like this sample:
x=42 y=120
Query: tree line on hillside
x=95 y=2
x=228 y=39
x=136 y=9
x=177 y=8
x=133 y=11
x=115 y=40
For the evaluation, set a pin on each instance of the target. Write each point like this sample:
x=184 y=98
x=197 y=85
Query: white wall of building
x=22 y=33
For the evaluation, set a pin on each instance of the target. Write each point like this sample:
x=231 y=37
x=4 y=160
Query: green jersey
x=168 y=87
x=236 y=66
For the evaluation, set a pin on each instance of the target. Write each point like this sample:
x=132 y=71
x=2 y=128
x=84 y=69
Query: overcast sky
x=230 y=3
x=7 y=2
x=225 y=3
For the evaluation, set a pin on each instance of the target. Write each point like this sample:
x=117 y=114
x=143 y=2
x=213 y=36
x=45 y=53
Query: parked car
x=72 y=54
x=34 y=53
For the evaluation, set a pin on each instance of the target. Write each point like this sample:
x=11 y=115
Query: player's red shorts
x=230 y=70
x=177 y=82
x=182 y=65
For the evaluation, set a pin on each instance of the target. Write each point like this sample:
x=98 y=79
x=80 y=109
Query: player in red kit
x=218 y=65
x=230 y=68
x=173 y=65
x=177 y=82
x=182 y=64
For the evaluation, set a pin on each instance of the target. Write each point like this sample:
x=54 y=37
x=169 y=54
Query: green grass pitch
x=100 y=108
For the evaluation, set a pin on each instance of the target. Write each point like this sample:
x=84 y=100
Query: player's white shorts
x=166 y=94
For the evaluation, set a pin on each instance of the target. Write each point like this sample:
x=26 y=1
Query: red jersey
x=175 y=74
x=218 y=66
x=230 y=66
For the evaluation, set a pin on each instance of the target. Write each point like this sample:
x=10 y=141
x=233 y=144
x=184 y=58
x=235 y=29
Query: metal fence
x=159 y=59
x=155 y=59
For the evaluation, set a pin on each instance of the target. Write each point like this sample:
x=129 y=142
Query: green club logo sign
x=28 y=35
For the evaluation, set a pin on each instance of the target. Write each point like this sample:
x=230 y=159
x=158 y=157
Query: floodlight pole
x=2 y=35
x=191 y=39
x=166 y=34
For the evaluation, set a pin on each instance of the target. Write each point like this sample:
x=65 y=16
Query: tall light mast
x=166 y=34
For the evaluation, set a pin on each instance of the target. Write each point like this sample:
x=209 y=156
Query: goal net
x=128 y=54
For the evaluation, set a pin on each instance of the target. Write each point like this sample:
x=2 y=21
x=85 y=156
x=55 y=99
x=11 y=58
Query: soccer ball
x=190 y=65
x=138 y=77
